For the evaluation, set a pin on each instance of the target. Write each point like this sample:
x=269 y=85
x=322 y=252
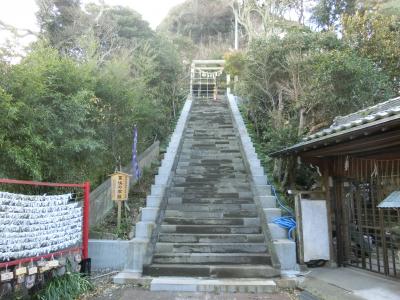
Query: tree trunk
x=301 y=15
x=280 y=108
x=173 y=107
x=277 y=171
x=302 y=114
x=289 y=174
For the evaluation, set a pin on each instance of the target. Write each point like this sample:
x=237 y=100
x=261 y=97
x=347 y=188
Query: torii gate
x=203 y=77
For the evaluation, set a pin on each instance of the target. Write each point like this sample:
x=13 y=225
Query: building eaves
x=337 y=133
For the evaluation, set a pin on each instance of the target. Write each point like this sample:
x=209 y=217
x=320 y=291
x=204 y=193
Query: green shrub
x=67 y=287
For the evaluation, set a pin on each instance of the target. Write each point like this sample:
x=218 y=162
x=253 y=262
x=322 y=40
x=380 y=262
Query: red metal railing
x=85 y=222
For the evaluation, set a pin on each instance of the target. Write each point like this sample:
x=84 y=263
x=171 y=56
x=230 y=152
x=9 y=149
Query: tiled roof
x=365 y=116
x=364 y=121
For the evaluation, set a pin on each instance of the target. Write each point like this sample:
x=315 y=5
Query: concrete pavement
x=350 y=284
x=140 y=294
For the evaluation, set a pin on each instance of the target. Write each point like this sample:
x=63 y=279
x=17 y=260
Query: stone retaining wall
x=110 y=254
x=282 y=250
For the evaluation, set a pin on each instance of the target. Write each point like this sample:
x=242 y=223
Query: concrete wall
x=131 y=255
x=146 y=230
x=100 y=197
x=109 y=254
x=282 y=250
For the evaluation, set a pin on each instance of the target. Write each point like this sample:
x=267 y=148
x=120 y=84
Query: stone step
x=223 y=177
x=212 y=258
x=210 y=238
x=207 y=229
x=200 y=193
x=211 y=172
x=198 y=207
x=211 y=214
x=212 y=221
x=186 y=284
x=195 y=194
x=210 y=151
x=227 y=248
x=215 y=271
x=204 y=185
x=201 y=166
x=212 y=191
x=205 y=179
x=227 y=159
x=211 y=225
x=216 y=175
x=208 y=201
x=197 y=158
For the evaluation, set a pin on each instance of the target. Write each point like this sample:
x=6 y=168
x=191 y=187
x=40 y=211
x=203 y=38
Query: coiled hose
x=287 y=222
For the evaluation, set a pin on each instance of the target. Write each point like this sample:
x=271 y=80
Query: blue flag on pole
x=135 y=164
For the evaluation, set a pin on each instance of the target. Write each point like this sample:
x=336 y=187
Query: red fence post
x=85 y=225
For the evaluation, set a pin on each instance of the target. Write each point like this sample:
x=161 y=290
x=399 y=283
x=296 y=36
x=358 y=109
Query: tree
x=298 y=83
x=51 y=101
x=384 y=7
x=201 y=20
x=327 y=13
x=265 y=18
x=62 y=22
x=69 y=107
x=377 y=37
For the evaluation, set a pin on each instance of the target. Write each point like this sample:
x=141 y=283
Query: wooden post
x=326 y=172
x=299 y=229
x=340 y=237
x=119 y=192
x=119 y=205
x=228 y=82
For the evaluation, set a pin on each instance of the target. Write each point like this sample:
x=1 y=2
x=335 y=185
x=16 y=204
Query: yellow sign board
x=20 y=271
x=119 y=186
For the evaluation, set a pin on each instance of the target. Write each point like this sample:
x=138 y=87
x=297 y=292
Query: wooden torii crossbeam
x=203 y=77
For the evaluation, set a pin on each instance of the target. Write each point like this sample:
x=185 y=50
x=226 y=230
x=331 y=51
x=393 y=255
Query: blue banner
x=135 y=164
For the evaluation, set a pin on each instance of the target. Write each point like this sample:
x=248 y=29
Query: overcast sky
x=21 y=13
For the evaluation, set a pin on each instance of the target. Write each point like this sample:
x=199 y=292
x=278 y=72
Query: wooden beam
x=209 y=62
x=367 y=143
x=209 y=68
x=381 y=154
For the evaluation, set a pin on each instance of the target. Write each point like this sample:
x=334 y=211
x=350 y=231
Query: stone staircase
x=211 y=226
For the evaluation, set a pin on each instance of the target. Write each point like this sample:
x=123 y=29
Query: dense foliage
x=69 y=107
x=296 y=80
x=202 y=28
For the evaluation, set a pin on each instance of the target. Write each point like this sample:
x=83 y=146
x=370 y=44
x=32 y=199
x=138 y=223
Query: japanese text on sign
x=119 y=186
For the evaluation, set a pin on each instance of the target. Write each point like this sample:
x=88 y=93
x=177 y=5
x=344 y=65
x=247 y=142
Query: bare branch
x=18 y=32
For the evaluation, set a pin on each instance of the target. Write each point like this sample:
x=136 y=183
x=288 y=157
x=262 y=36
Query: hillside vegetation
x=69 y=107
x=202 y=28
x=300 y=63
x=296 y=75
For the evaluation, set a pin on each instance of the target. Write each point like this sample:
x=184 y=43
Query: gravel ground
x=105 y=289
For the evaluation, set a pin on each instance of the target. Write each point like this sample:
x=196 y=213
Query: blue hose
x=279 y=201
x=287 y=222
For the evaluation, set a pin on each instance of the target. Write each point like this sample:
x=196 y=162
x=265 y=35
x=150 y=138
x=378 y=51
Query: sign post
x=119 y=191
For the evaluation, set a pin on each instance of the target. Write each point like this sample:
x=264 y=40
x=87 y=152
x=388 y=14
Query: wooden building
x=359 y=159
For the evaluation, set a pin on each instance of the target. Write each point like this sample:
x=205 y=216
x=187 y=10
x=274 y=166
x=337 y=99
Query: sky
x=21 y=13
